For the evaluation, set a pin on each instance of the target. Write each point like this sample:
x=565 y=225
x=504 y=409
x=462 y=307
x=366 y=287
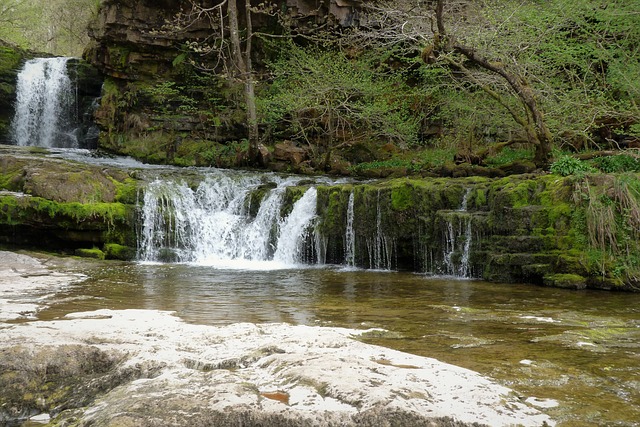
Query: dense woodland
x=404 y=85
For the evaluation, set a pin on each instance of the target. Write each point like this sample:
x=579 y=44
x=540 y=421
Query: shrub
x=567 y=165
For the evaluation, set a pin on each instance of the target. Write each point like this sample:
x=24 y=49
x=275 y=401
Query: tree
x=560 y=69
x=243 y=64
x=328 y=101
x=226 y=43
x=529 y=116
x=58 y=26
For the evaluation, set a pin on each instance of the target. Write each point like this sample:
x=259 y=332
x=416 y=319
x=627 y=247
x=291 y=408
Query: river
x=577 y=352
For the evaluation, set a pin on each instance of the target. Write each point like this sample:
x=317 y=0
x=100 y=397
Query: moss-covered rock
x=119 y=252
x=541 y=229
x=11 y=60
x=569 y=281
x=94 y=253
x=63 y=205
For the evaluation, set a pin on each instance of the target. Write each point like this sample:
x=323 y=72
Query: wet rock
x=24 y=282
x=568 y=281
x=52 y=379
x=242 y=375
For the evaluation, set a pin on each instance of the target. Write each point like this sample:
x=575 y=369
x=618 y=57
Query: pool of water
x=579 y=348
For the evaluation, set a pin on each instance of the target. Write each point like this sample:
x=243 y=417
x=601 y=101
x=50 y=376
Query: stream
x=578 y=353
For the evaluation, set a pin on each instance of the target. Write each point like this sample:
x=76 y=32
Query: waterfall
x=457 y=241
x=294 y=229
x=380 y=247
x=349 y=236
x=212 y=224
x=45 y=105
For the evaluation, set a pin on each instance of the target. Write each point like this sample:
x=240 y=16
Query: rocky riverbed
x=149 y=368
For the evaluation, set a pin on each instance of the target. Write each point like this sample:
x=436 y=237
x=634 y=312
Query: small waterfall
x=349 y=236
x=45 y=105
x=294 y=229
x=457 y=241
x=381 y=248
x=212 y=225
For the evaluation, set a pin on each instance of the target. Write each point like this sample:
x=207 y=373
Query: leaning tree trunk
x=530 y=118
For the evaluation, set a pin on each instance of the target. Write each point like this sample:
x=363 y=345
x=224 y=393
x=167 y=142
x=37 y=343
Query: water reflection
x=581 y=348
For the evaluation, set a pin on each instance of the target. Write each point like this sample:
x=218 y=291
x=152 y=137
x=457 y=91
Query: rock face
x=11 y=60
x=545 y=230
x=158 y=103
x=109 y=368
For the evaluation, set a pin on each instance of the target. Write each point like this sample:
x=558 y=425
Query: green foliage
x=325 y=95
x=509 y=155
x=581 y=53
x=386 y=164
x=168 y=97
x=567 y=165
x=608 y=215
x=56 y=26
x=617 y=164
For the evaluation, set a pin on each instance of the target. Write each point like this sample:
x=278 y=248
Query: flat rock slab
x=25 y=284
x=270 y=374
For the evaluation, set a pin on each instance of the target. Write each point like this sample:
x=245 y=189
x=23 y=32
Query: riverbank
x=108 y=367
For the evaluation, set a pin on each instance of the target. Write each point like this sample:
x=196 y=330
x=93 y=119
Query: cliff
x=168 y=96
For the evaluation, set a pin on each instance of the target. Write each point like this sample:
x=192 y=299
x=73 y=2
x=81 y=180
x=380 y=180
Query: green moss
x=332 y=208
x=571 y=281
x=291 y=196
x=126 y=191
x=90 y=253
x=11 y=180
x=480 y=198
x=10 y=59
x=402 y=197
x=16 y=210
x=119 y=252
x=118 y=57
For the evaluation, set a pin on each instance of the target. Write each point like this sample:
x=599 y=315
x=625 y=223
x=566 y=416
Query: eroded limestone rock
x=256 y=375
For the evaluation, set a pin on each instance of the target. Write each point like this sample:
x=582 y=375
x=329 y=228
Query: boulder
x=287 y=152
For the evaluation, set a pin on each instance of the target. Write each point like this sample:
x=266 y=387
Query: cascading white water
x=349 y=235
x=381 y=247
x=212 y=226
x=294 y=229
x=45 y=102
x=458 y=237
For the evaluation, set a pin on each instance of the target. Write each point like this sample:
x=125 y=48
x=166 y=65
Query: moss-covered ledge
x=573 y=232
x=67 y=206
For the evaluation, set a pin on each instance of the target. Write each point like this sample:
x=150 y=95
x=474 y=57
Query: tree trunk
x=250 y=95
x=243 y=66
x=532 y=121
